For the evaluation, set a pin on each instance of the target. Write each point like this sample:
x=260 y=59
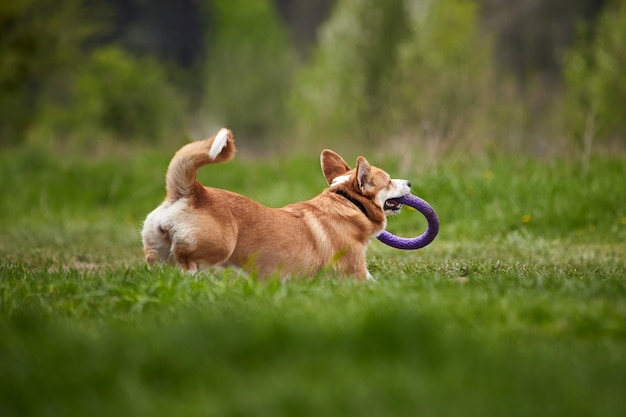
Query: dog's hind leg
x=189 y=255
x=156 y=242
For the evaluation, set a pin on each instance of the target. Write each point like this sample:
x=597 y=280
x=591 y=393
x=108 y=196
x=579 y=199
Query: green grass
x=518 y=308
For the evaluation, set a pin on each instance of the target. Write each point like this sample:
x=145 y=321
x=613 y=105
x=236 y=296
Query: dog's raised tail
x=181 y=173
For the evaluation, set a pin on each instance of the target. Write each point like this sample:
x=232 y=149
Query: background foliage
x=249 y=68
x=595 y=77
x=452 y=72
x=117 y=96
x=41 y=45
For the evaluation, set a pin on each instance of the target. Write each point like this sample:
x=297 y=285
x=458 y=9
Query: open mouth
x=392 y=205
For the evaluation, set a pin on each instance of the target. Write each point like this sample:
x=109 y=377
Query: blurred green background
x=507 y=116
x=543 y=76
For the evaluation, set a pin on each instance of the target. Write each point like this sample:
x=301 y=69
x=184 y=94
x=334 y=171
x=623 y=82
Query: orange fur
x=198 y=225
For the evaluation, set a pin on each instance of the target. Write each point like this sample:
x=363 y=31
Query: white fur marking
x=340 y=180
x=320 y=235
x=218 y=143
x=171 y=217
x=397 y=188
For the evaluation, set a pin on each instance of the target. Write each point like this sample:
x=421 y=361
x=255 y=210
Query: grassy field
x=518 y=308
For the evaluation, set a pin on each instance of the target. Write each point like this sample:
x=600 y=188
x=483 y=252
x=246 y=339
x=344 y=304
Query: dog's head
x=365 y=180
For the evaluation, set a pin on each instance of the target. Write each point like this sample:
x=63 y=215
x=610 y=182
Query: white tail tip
x=218 y=143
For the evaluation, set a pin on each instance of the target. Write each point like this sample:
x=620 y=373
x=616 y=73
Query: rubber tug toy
x=416 y=242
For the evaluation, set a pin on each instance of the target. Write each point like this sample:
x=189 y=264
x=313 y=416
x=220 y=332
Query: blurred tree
x=532 y=35
x=396 y=66
x=342 y=88
x=41 y=44
x=303 y=18
x=250 y=62
x=443 y=81
x=118 y=96
x=595 y=74
x=406 y=65
x=171 y=31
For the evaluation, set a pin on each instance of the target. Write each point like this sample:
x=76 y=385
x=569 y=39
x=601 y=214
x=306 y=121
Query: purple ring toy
x=419 y=241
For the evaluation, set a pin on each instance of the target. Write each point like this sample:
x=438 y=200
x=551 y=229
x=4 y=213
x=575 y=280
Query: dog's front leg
x=370 y=278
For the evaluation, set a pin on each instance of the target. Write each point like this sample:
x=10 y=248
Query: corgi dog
x=204 y=226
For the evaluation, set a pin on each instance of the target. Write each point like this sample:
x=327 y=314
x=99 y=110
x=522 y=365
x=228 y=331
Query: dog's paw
x=370 y=279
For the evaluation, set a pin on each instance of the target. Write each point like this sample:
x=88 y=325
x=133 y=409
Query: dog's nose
x=408 y=184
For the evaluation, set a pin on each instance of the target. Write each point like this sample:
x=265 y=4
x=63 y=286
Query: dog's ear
x=333 y=165
x=363 y=170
